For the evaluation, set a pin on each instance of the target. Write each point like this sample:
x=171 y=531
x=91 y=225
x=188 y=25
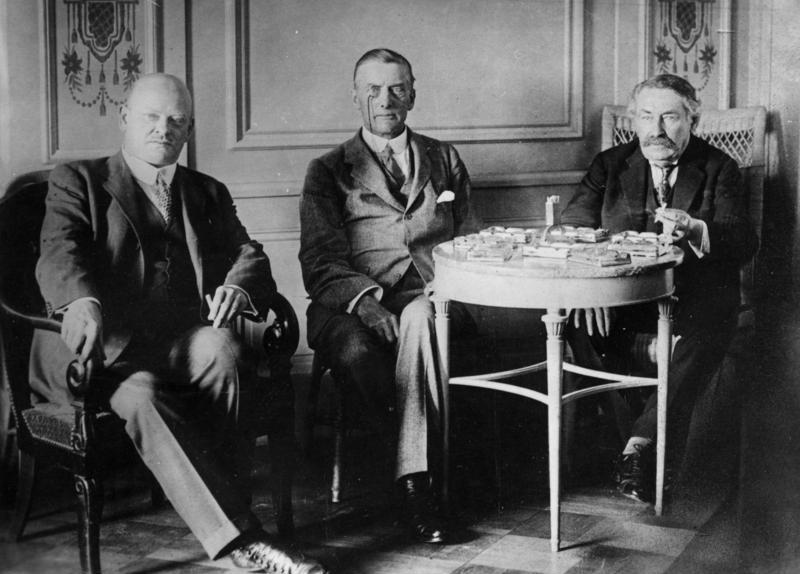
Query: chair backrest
x=739 y=132
x=21 y=214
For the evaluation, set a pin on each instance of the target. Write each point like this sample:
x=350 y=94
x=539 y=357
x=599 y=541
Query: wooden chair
x=84 y=437
x=739 y=132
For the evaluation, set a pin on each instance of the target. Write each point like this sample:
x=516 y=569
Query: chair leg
x=90 y=512
x=497 y=464
x=5 y=439
x=282 y=453
x=317 y=370
x=338 y=440
x=25 y=485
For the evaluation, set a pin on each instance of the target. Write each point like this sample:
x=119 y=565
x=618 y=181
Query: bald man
x=147 y=263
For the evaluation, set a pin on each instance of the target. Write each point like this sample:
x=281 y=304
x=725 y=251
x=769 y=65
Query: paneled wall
x=517 y=85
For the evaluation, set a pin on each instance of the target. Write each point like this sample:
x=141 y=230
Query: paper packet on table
x=576 y=234
x=641 y=244
x=599 y=255
x=553 y=250
x=515 y=235
x=490 y=253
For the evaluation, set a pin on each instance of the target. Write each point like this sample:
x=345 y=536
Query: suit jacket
x=91 y=246
x=614 y=195
x=355 y=234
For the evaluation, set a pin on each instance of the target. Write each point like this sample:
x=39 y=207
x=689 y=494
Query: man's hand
x=378 y=318
x=679 y=224
x=602 y=317
x=82 y=329
x=227 y=303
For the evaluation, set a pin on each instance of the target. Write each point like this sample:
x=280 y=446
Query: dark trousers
x=705 y=327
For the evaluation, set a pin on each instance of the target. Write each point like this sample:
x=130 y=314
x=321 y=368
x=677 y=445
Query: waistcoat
x=170 y=285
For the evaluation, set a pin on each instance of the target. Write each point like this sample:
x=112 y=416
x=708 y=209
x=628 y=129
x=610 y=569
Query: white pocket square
x=446 y=195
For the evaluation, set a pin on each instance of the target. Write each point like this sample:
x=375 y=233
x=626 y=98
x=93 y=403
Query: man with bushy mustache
x=668 y=181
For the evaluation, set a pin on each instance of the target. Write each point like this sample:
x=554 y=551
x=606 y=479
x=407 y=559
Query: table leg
x=442 y=322
x=554 y=321
x=663 y=353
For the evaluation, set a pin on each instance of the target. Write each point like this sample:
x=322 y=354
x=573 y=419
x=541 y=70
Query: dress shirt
x=399 y=147
x=146 y=175
x=657 y=173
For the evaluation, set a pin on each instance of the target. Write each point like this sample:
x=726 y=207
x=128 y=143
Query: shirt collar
x=378 y=144
x=147 y=173
x=664 y=167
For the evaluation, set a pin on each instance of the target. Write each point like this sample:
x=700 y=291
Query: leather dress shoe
x=263 y=556
x=634 y=474
x=417 y=510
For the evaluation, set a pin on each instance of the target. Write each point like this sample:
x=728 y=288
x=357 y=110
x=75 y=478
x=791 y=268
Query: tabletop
x=539 y=283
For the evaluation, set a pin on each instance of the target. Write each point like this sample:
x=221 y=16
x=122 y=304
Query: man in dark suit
x=667 y=180
x=130 y=246
x=371 y=211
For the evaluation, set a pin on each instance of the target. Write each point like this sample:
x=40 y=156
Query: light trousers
x=185 y=406
x=398 y=387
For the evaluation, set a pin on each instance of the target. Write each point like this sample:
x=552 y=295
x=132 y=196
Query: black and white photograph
x=399 y=287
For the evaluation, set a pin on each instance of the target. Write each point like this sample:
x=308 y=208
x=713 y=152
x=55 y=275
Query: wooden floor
x=602 y=532
x=734 y=510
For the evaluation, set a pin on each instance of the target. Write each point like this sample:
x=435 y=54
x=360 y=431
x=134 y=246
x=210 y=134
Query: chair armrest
x=283 y=334
x=78 y=373
x=34 y=321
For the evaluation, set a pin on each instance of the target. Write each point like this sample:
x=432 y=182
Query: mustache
x=660 y=140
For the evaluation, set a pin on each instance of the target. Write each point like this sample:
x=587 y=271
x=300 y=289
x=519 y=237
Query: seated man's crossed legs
x=398 y=386
x=186 y=404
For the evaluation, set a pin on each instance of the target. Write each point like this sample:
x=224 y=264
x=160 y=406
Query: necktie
x=391 y=165
x=664 y=189
x=164 y=197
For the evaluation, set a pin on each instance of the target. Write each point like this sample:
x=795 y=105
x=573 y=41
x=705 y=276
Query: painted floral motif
x=73 y=66
x=131 y=66
x=663 y=58
x=707 y=55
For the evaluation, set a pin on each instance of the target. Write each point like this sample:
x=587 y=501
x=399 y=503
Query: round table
x=555 y=285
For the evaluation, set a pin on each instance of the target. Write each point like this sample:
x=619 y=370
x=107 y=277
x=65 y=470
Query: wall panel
x=487 y=78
